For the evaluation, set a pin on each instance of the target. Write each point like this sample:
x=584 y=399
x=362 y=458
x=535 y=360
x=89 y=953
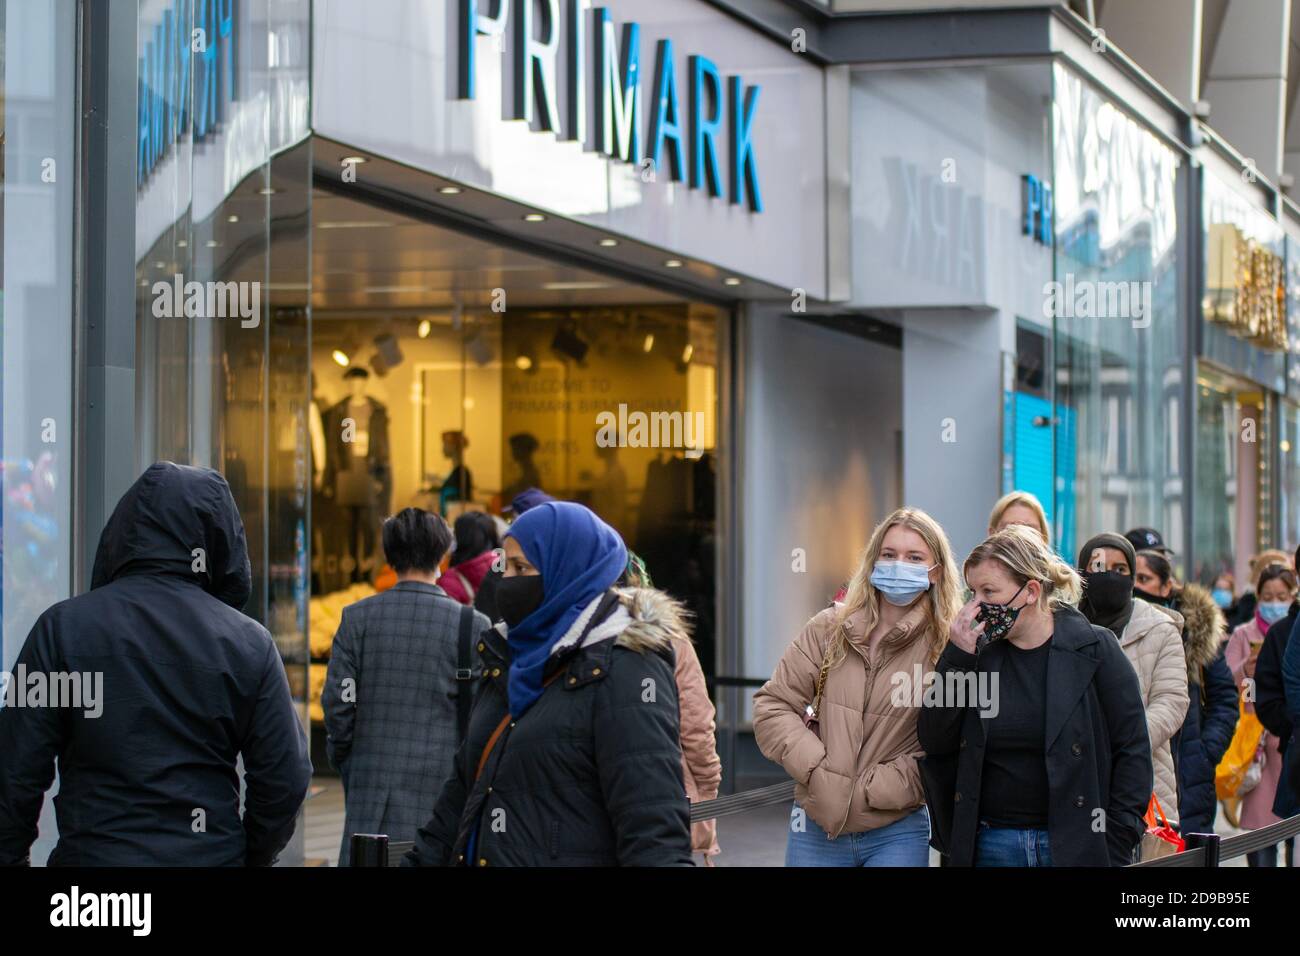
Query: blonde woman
x=839 y=713
x=1019 y=507
x=1034 y=733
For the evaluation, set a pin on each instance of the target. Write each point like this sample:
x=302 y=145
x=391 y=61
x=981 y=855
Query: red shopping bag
x=1160 y=839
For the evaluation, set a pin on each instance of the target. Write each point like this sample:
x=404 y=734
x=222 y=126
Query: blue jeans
x=904 y=842
x=1007 y=846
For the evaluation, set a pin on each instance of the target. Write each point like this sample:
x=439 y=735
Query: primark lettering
x=194 y=40
x=688 y=141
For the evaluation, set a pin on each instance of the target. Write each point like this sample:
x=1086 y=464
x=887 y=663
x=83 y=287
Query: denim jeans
x=905 y=842
x=1008 y=846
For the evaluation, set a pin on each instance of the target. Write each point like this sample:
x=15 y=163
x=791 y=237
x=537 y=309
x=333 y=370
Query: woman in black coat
x=1034 y=731
x=572 y=756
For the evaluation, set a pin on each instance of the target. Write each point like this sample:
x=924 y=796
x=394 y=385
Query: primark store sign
x=698 y=126
x=186 y=75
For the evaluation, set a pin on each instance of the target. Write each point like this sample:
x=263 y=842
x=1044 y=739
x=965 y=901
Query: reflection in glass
x=1118 y=329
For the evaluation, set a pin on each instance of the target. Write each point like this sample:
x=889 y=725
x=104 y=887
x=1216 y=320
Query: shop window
x=1118 y=330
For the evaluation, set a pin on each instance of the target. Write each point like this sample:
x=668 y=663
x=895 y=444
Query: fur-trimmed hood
x=1204 y=629
x=645 y=620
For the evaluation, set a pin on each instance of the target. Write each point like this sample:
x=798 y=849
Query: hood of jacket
x=182 y=521
x=1204 y=629
x=644 y=620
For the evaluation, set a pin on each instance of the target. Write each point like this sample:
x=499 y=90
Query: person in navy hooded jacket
x=190 y=686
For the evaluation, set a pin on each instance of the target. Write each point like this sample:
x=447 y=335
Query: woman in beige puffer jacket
x=858 y=794
x=1151 y=639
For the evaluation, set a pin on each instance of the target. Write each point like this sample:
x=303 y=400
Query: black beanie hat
x=1107 y=540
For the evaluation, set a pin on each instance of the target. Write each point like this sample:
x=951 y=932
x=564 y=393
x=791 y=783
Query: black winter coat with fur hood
x=1211 y=713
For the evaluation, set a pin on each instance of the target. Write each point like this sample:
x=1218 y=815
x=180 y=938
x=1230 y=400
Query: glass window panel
x=1119 y=336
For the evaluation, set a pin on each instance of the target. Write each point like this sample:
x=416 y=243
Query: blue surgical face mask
x=901 y=582
x=1222 y=597
x=1273 y=611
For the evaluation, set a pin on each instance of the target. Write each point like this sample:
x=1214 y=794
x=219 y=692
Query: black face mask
x=1109 y=592
x=1151 y=598
x=519 y=596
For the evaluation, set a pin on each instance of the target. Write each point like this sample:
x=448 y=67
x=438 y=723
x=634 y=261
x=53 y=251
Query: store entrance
x=1234 y=435
x=452 y=374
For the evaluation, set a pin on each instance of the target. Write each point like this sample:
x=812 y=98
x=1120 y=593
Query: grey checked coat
x=392 y=732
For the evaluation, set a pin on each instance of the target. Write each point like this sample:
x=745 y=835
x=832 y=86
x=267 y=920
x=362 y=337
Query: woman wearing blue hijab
x=572 y=756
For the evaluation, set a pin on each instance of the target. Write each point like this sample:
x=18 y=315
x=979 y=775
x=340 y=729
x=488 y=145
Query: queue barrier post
x=1210 y=842
x=369 y=849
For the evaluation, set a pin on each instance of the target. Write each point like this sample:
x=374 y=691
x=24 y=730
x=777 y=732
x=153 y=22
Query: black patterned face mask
x=998 y=619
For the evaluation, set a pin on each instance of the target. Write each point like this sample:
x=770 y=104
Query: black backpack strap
x=464 y=670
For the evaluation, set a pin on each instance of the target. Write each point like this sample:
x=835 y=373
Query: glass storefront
x=1120 y=336
x=38 y=122
x=223 y=206
x=481 y=371
x=1232 y=457
x=1240 y=436
x=1288 y=476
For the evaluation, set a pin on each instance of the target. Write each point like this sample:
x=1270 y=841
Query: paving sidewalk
x=754 y=838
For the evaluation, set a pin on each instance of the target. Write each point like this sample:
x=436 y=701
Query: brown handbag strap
x=491 y=742
x=821 y=676
x=501 y=727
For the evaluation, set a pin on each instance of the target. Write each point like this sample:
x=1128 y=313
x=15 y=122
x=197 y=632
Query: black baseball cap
x=529 y=498
x=1147 y=539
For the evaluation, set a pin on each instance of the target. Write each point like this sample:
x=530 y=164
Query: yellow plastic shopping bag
x=1232 y=769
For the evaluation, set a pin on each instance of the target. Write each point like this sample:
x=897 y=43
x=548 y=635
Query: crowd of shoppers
x=530 y=698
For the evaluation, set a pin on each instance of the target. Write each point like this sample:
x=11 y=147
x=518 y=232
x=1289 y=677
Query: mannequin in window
x=523 y=446
x=358 y=474
x=609 y=490
x=459 y=485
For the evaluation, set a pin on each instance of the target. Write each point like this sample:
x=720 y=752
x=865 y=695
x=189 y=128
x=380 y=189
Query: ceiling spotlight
x=687 y=353
x=424 y=328
x=267 y=191
x=731 y=280
x=534 y=217
x=212 y=243
x=353 y=160
x=569 y=343
x=341 y=358
x=388 y=350
x=182 y=243
x=649 y=341
x=523 y=363
x=450 y=190
x=609 y=243
x=160 y=264
x=232 y=218
x=673 y=263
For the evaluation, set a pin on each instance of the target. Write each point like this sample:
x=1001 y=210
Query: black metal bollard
x=1210 y=842
x=369 y=849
